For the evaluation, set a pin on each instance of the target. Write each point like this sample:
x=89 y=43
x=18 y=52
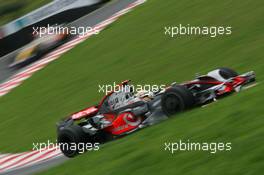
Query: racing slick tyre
x=227 y=73
x=70 y=138
x=176 y=99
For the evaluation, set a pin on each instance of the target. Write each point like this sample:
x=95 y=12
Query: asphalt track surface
x=91 y=19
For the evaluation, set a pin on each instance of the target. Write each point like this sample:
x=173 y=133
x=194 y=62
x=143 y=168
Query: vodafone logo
x=131 y=120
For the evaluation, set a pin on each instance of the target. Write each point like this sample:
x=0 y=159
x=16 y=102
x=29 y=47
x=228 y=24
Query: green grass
x=13 y=9
x=136 y=48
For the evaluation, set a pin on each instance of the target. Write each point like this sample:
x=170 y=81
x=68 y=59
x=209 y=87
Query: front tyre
x=70 y=138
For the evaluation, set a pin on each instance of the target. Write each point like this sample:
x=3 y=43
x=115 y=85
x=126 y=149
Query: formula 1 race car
x=124 y=111
x=40 y=46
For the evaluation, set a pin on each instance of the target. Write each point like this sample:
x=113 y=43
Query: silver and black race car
x=124 y=111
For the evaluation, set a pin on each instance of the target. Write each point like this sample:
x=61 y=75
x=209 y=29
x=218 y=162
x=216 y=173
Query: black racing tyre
x=176 y=99
x=227 y=73
x=70 y=136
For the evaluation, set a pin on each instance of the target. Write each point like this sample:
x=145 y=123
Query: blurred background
x=17 y=18
x=19 y=47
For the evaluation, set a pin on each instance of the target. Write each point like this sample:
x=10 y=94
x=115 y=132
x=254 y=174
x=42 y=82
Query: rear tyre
x=227 y=73
x=176 y=99
x=70 y=139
